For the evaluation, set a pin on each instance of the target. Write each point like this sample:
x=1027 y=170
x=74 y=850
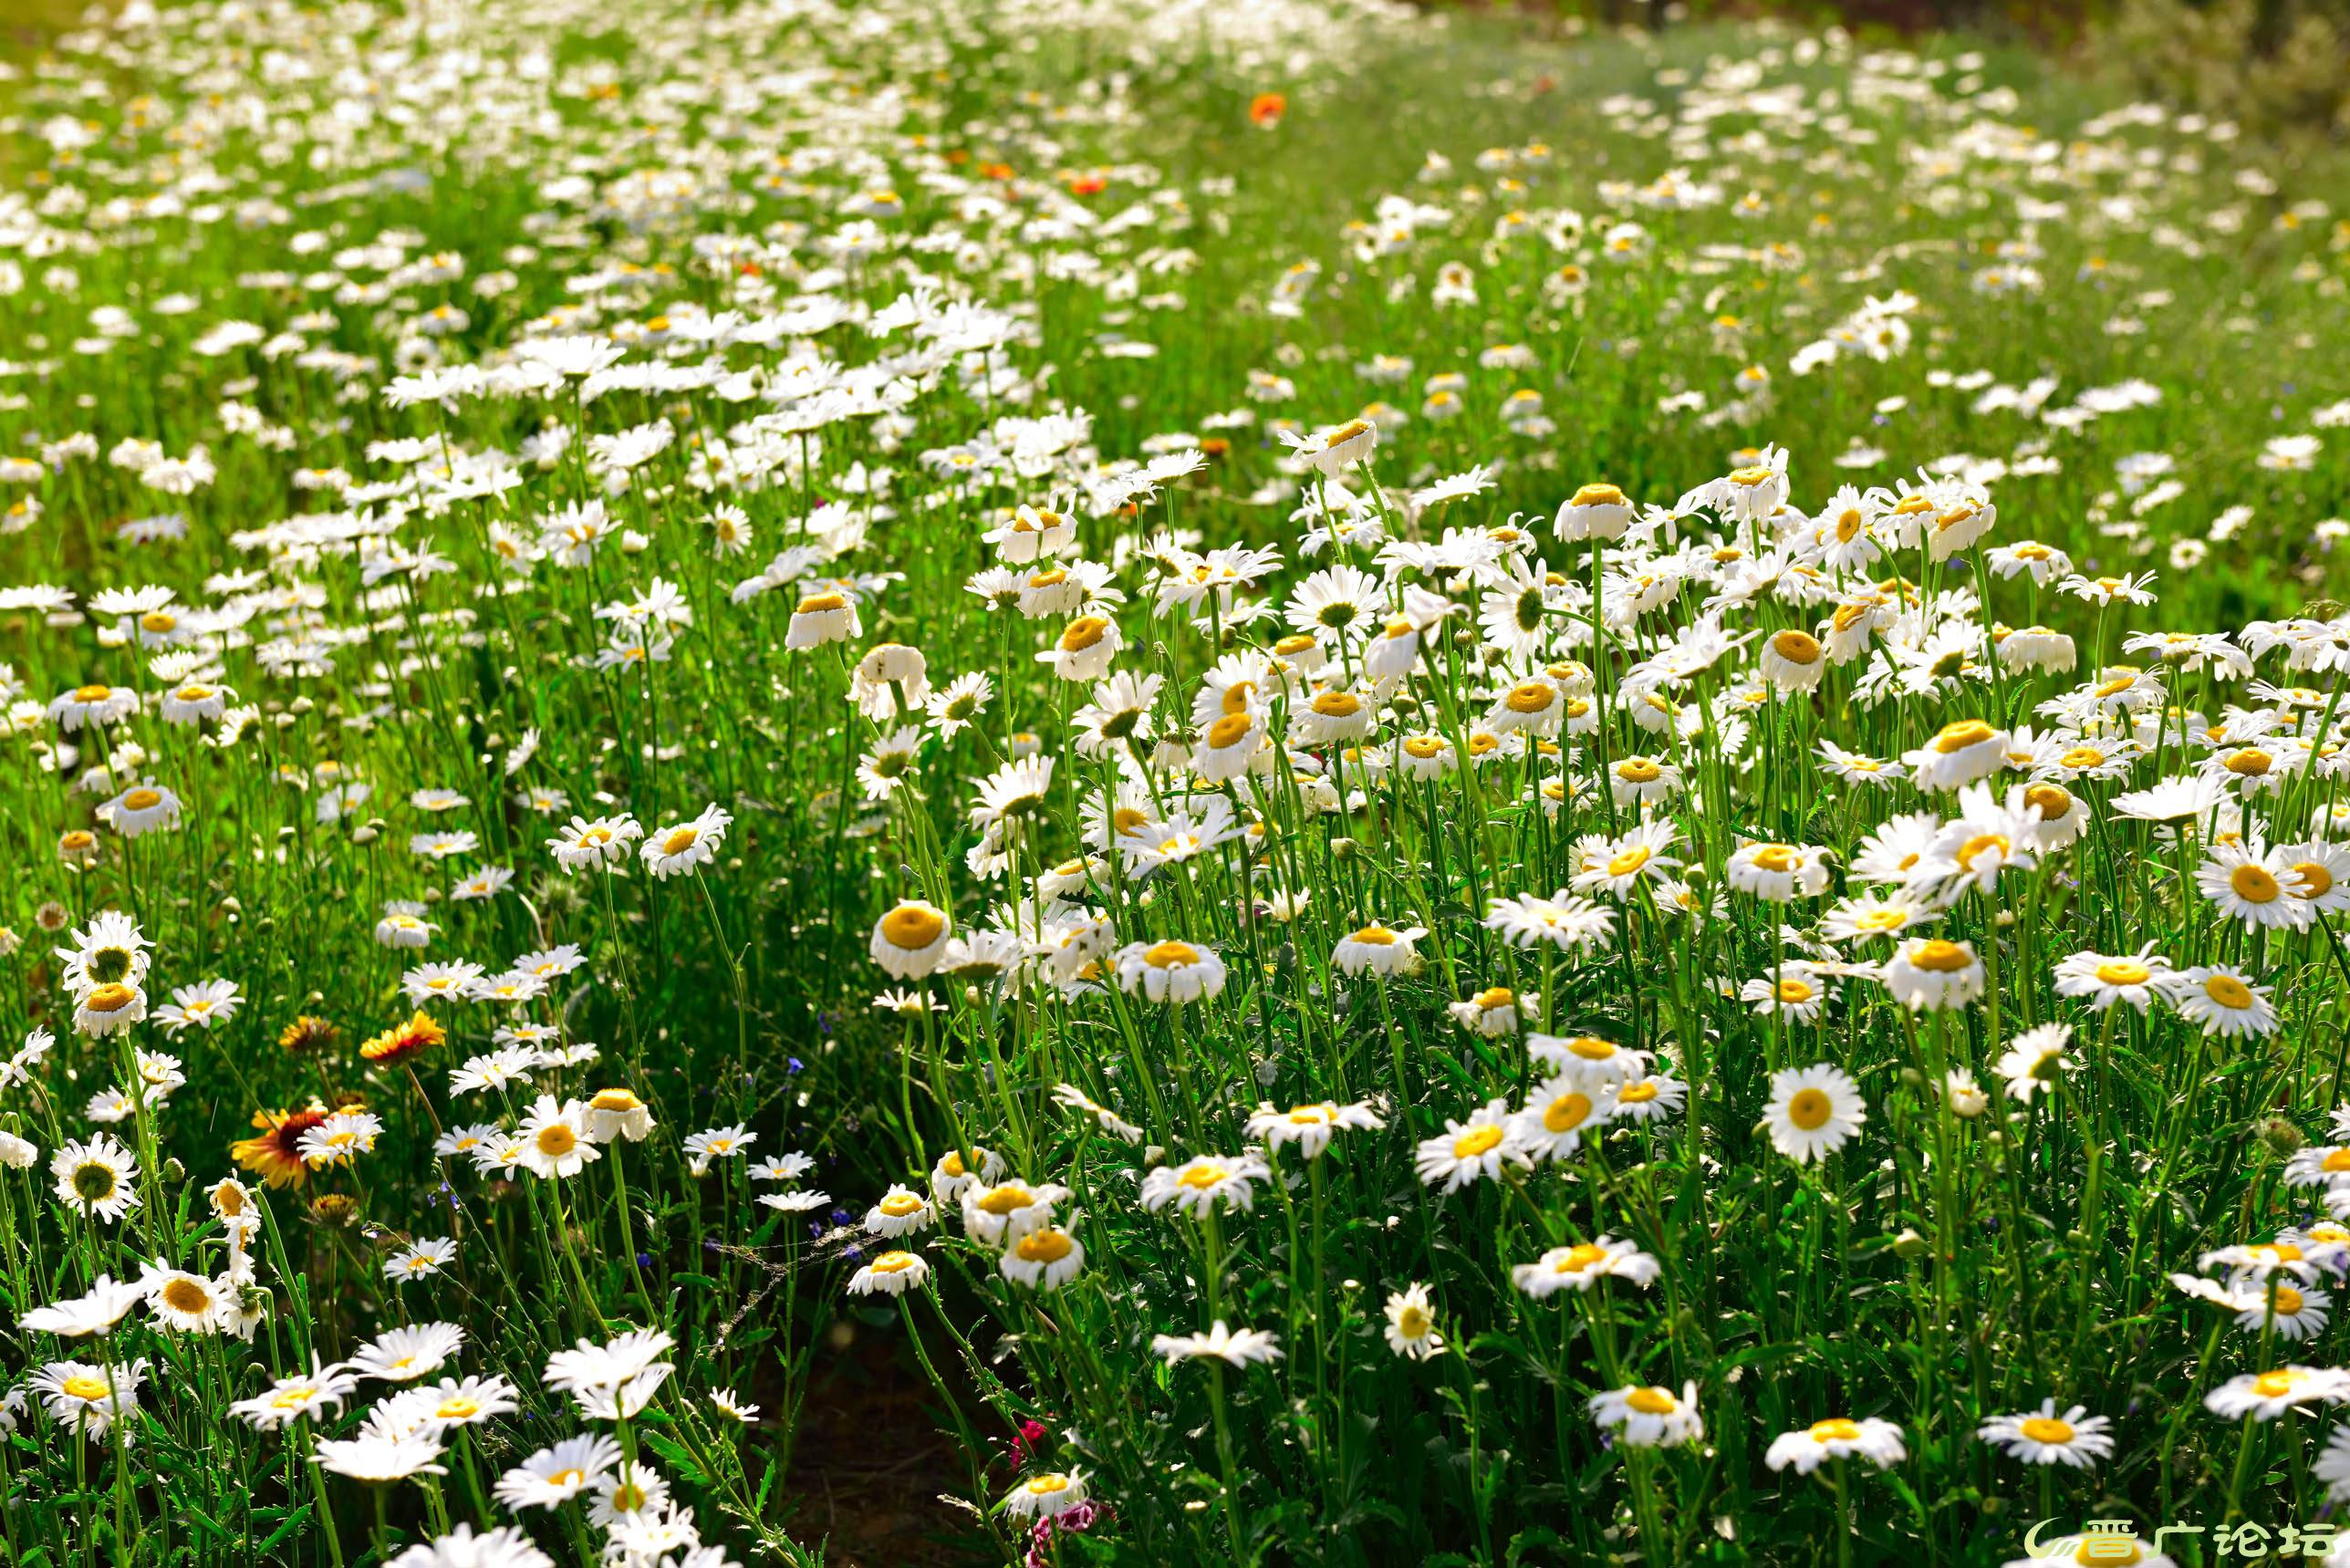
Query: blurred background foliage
x=25 y=23
x=2277 y=68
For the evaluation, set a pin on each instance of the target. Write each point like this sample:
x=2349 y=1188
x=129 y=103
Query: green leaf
x=679 y=1459
x=299 y=1517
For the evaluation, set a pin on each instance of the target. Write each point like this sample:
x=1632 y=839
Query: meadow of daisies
x=1385 y=790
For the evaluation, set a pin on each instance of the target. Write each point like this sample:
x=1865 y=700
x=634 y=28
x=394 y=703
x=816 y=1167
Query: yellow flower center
x=1530 y=697
x=81 y=1385
x=2275 y=1385
x=1083 y=633
x=2123 y=972
x=1797 y=647
x=1958 y=736
x=897 y=1205
x=1044 y=1247
x=2254 y=884
x=1564 y=1113
x=1810 y=1109
x=1775 y=857
x=893 y=1263
x=819 y=604
x=2315 y=880
x=679 y=840
x=1652 y=1401
x=1228 y=729
x=2046 y=1430
x=913 y=927
x=2051 y=801
x=1008 y=1198
x=1978 y=843
x=1835 y=1430
x=111 y=997
x=1940 y=955
x=1598 y=495
x=1172 y=955
x=1629 y=861
x=2228 y=993
x=556 y=1139
x=186 y=1296
x=1480 y=1141
x=143 y=799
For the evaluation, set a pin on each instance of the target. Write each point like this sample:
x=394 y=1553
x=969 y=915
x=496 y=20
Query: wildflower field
x=1051 y=781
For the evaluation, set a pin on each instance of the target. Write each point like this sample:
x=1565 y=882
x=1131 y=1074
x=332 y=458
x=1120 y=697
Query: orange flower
x=1267 y=108
x=306 y=1035
x=419 y=1034
x=334 y=1208
x=276 y=1156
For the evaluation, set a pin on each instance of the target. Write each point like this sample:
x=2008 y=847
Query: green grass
x=326 y=251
